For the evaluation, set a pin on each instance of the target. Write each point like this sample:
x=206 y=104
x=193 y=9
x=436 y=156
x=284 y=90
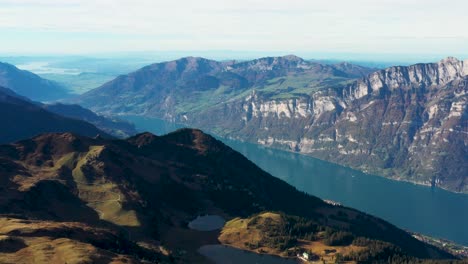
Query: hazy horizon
x=158 y=56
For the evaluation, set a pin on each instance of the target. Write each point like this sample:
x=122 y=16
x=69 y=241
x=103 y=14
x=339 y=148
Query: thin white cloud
x=310 y=25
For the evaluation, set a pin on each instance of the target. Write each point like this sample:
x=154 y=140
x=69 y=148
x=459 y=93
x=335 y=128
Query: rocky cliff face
x=407 y=123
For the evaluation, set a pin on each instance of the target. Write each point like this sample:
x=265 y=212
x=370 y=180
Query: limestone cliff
x=407 y=123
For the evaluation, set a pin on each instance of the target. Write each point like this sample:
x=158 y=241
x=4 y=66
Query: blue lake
x=421 y=209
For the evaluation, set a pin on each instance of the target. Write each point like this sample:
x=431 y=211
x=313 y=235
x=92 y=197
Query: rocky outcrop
x=419 y=76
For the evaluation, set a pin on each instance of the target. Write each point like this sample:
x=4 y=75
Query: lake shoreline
x=371 y=172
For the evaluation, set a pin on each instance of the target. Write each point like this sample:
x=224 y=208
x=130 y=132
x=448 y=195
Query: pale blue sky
x=425 y=27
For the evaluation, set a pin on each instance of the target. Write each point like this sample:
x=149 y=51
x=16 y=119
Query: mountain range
x=76 y=199
x=191 y=84
x=404 y=122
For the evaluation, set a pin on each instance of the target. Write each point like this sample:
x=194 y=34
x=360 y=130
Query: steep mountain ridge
x=421 y=76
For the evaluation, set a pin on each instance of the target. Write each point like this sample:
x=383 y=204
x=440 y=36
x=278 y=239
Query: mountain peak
x=191 y=60
x=143 y=139
x=194 y=59
x=347 y=64
x=280 y=64
x=194 y=138
x=292 y=57
x=286 y=58
x=187 y=132
x=449 y=60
